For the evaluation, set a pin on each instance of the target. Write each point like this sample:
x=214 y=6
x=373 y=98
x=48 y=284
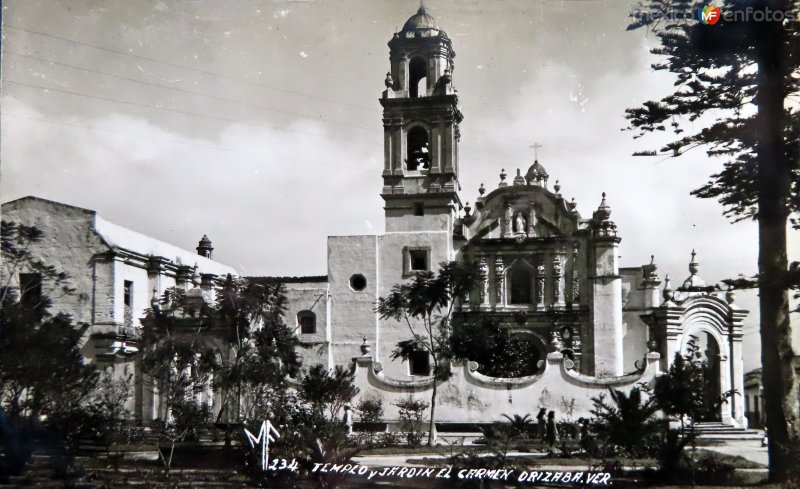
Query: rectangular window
x=419 y=209
x=30 y=288
x=419 y=363
x=419 y=260
x=127 y=293
x=747 y=404
x=755 y=405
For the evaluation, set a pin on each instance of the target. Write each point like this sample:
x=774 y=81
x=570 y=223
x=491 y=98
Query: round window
x=358 y=282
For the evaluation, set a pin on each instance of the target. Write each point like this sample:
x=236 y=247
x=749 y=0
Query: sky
x=258 y=123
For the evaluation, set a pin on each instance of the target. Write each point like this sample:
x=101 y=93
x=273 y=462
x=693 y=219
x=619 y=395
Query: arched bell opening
x=418 y=149
x=417 y=77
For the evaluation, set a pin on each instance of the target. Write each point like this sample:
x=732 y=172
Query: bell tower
x=420 y=127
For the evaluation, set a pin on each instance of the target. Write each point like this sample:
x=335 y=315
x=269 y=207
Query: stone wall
x=471 y=397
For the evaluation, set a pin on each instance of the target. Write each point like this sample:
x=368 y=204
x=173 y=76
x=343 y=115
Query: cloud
x=268 y=199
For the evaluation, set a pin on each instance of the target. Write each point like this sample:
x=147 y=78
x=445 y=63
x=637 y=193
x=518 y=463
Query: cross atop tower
x=536 y=147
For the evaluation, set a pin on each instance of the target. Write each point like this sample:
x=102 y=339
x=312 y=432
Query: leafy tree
x=311 y=430
x=628 y=421
x=426 y=305
x=327 y=392
x=107 y=404
x=42 y=370
x=250 y=312
x=682 y=392
x=410 y=419
x=735 y=85
x=175 y=359
x=493 y=347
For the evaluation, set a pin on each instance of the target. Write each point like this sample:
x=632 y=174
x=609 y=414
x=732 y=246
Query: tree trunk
x=432 y=425
x=778 y=376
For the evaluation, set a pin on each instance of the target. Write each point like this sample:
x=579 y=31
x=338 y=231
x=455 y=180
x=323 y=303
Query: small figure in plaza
x=348 y=418
x=540 y=423
x=551 y=434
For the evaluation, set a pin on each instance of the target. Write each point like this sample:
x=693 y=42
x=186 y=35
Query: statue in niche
x=519 y=224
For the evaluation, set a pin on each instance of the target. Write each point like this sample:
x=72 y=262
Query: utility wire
x=175 y=111
x=185 y=67
x=190 y=92
x=228 y=77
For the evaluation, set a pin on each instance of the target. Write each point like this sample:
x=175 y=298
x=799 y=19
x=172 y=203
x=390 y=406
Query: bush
x=371 y=410
x=411 y=412
x=711 y=470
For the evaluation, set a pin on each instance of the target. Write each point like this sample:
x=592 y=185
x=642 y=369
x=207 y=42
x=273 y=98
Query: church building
x=551 y=275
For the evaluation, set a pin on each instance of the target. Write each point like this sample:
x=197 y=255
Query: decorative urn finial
x=389 y=82
x=481 y=189
x=365 y=346
x=503 y=176
x=694 y=266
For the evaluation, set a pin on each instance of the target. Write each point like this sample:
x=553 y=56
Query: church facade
x=552 y=276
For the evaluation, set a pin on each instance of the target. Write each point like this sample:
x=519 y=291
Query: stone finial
x=519 y=180
x=650 y=272
x=467 y=210
x=503 y=176
x=694 y=279
x=557 y=187
x=572 y=205
x=667 y=293
x=481 y=189
x=365 y=346
x=603 y=210
x=389 y=82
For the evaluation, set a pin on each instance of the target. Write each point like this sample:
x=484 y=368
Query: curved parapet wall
x=473 y=397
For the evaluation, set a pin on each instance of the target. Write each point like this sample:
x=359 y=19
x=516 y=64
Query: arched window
x=520 y=283
x=417 y=77
x=307 y=321
x=417 y=148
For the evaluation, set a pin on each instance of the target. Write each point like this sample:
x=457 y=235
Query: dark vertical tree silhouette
x=733 y=79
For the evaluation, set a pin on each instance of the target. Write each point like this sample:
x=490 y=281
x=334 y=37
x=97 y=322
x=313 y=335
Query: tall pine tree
x=738 y=82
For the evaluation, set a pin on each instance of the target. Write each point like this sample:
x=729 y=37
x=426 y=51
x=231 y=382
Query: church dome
x=536 y=172
x=420 y=21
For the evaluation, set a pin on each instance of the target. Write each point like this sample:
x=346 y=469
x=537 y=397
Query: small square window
x=419 y=363
x=418 y=260
x=419 y=209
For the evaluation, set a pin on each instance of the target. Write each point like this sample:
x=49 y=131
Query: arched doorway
x=705 y=350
